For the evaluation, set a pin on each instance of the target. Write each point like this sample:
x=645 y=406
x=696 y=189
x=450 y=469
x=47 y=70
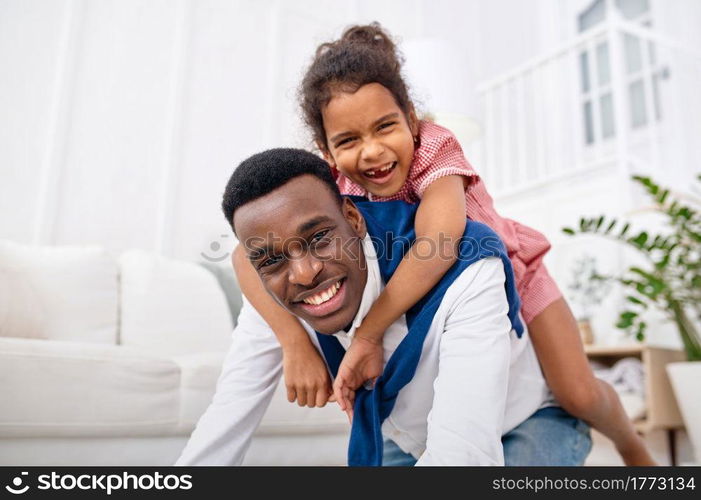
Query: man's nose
x=304 y=269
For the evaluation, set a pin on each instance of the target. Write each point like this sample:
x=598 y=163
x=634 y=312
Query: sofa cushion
x=58 y=293
x=171 y=307
x=227 y=281
x=57 y=388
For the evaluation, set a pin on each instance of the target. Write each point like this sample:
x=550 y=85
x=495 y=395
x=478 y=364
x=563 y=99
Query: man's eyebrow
x=312 y=223
x=376 y=122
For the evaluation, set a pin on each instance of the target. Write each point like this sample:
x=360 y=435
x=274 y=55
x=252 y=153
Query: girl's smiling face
x=369 y=138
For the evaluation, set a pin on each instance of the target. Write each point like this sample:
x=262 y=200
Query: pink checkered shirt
x=439 y=154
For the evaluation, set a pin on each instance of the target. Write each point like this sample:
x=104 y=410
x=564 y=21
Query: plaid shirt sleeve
x=438 y=155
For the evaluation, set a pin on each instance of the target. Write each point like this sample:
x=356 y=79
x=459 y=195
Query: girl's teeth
x=371 y=173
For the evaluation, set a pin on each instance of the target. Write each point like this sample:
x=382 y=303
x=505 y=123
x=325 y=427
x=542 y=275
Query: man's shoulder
x=481 y=240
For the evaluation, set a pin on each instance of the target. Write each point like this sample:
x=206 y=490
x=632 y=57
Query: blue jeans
x=550 y=436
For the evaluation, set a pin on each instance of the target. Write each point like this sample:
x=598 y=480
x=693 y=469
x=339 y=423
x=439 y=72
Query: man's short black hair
x=264 y=172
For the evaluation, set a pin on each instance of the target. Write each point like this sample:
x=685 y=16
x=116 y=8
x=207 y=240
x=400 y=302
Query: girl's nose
x=372 y=149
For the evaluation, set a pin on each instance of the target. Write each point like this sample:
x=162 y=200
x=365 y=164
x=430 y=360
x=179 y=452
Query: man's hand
x=306 y=377
x=362 y=362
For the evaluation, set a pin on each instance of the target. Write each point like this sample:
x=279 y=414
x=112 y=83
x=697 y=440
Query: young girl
x=357 y=105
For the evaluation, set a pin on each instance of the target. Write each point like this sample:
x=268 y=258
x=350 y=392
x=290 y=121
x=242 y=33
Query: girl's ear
x=413 y=122
x=327 y=156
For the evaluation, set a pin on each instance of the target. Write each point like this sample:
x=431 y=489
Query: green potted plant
x=670 y=282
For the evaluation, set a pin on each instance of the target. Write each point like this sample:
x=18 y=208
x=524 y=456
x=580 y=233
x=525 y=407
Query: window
x=641 y=72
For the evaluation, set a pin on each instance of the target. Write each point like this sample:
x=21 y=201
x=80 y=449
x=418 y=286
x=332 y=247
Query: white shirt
x=474 y=382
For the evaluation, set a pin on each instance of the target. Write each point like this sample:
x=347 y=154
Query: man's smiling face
x=307 y=251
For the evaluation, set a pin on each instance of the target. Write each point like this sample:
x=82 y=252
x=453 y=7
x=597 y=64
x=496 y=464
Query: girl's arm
x=306 y=376
x=439 y=225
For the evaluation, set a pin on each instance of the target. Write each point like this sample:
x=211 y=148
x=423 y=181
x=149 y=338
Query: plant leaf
x=636 y=300
x=624 y=230
x=639 y=240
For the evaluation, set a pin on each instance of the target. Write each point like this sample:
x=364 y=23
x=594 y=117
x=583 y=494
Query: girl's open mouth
x=382 y=174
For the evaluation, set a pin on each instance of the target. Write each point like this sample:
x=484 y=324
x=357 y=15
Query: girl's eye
x=345 y=141
x=386 y=125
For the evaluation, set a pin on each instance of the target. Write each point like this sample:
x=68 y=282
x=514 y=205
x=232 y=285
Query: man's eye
x=319 y=237
x=270 y=261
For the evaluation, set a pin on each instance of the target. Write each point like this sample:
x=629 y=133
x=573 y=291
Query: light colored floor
x=604 y=453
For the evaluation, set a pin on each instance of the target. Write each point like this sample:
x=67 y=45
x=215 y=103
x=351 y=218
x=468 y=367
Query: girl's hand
x=306 y=376
x=362 y=362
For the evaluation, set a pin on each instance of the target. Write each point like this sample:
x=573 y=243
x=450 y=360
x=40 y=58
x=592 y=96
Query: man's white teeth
x=322 y=297
x=371 y=173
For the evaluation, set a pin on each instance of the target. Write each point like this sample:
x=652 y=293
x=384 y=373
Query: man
x=461 y=377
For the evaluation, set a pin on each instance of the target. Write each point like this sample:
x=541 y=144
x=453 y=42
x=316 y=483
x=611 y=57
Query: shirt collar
x=373 y=287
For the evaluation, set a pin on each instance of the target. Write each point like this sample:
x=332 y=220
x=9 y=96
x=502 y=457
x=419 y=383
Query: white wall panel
x=224 y=119
x=116 y=140
x=33 y=36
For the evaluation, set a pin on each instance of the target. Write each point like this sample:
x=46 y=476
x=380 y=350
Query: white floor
x=604 y=453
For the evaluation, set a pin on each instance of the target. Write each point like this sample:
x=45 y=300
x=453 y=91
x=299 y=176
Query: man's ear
x=354 y=217
x=327 y=156
x=413 y=121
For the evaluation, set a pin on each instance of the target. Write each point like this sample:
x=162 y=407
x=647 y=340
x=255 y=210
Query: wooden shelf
x=662 y=409
x=614 y=351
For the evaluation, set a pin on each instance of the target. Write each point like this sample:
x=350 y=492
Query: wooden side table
x=662 y=410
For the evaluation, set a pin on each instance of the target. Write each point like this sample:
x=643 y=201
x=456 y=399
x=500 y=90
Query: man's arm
x=245 y=387
x=466 y=419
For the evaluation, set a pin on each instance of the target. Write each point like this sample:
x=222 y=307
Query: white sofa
x=108 y=361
